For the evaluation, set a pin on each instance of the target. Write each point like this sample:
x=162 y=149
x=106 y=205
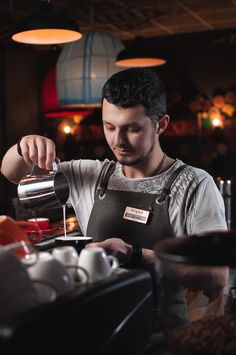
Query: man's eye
x=109 y=128
x=133 y=129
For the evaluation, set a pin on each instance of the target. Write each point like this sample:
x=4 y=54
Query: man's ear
x=162 y=124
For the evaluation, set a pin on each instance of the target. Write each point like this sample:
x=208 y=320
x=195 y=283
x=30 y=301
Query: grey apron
x=106 y=219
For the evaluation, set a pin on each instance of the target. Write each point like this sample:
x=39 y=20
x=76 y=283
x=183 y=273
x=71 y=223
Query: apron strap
x=108 y=170
x=166 y=190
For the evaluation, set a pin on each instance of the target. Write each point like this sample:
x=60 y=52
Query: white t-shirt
x=196 y=205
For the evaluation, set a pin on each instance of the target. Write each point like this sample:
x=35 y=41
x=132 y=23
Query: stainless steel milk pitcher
x=43 y=192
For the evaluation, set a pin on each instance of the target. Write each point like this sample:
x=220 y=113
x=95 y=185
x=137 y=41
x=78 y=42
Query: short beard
x=136 y=161
x=131 y=162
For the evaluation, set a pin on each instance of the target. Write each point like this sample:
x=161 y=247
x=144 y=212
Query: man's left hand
x=123 y=251
x=116 y=247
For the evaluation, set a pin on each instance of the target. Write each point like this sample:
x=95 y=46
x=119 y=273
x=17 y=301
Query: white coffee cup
x=97 y=263
x=24 y=250
x=17 y=294
x=49 y=270
x=78 y=242
x=68 y=256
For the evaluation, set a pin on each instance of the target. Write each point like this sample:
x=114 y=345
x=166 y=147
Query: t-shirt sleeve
x=207 y=211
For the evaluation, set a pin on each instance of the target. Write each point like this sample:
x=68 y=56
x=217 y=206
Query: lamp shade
x=138 y=55
x=84 y=66
x=46 y=27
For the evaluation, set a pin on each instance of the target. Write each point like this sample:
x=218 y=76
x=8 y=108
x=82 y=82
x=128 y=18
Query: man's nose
x=119 y=138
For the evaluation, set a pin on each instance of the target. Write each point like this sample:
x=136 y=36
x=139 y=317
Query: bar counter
x=109 y=317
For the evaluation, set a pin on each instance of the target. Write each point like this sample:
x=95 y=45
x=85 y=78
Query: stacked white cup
x=97 y=263
x=50 y=277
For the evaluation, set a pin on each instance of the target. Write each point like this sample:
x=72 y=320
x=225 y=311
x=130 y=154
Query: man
x=146 y=196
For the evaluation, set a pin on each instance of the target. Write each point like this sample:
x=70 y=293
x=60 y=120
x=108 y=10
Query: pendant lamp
x=84 y=66
x=138 y=55
x=46 y=27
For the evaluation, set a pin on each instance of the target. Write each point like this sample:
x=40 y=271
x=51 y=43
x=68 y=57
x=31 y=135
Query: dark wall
x=204 y=59
x=19 y=106
x=21 y=94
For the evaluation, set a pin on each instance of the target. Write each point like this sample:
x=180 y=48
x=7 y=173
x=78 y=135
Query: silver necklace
x=161 y=165
x=158 y=169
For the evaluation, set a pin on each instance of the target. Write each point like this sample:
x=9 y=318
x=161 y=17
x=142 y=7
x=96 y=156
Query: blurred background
x=195 y=40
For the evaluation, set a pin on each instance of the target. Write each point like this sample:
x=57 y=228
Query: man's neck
x=147 y=169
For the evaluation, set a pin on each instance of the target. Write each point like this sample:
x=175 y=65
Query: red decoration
x=182 y=128
x=49 y=92
x=67 y=113
x=49 y=99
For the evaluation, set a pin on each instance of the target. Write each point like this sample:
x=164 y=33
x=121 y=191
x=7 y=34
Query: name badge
x=136 y=215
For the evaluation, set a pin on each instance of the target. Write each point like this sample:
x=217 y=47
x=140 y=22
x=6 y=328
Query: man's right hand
x=35 y=150
x=38 y=150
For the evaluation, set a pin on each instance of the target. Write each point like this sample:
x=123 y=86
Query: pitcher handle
x=54 y=168
x=32 y=170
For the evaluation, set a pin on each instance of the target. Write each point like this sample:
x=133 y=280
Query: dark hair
x=137 y=86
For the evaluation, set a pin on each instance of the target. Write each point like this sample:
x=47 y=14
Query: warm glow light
x=67 y=129
x=78 y=118
x=47 y=36
x=140 y=62
x=137 y=54
x=217 y=122
x=46 y=27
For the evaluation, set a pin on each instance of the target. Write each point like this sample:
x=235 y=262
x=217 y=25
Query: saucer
x=44 y=231
x=72 y=239
x=78 y=242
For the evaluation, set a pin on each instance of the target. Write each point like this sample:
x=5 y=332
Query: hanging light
x=84 y=66
x=46 y=27
x=138 y=55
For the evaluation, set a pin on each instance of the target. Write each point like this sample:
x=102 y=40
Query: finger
x=41 y=152
x=92 y=245
x=50 y=154
x=27 y=148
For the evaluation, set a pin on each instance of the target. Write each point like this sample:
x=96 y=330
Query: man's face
x=129 y=133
